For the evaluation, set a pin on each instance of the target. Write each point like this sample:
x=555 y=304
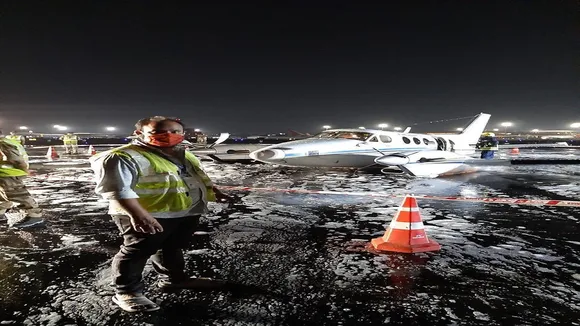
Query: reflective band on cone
x=406 y=233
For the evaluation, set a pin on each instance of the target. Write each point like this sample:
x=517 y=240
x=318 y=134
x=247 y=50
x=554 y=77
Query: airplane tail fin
x=473 y=131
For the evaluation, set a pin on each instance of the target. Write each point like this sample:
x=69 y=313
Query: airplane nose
x=267 y=155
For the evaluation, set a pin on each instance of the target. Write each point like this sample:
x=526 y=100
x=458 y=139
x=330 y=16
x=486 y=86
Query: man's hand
x=141 y=220
x=221 y=197
x=146 y=224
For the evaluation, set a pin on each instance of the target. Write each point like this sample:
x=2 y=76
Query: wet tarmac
x=300 y=259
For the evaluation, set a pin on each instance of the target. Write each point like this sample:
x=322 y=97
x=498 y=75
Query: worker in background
x=71 y=143
x=13 y=170
x=17 y=138
x=488 y=145
x=157 y=192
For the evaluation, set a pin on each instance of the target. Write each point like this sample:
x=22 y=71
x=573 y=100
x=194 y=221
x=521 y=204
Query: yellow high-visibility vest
x=7 y=169
x=160 y=187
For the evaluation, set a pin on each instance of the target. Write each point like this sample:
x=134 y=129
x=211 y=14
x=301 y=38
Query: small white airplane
x=424 y=155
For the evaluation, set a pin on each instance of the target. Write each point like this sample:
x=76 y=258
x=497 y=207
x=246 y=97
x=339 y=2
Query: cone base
x=381 y=245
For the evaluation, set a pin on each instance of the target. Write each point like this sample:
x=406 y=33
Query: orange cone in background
x=92 y=150
x=406 y=233
x=51 y=154
x=515 y=151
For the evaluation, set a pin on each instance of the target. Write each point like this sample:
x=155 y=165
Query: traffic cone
x=92 y=151
x=51 y=154
x=406 y=233
x=515 y=151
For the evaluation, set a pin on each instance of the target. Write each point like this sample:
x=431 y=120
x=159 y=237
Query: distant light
x=30 y=131
x=23 y=128
x=459 y=129
x=575 y=125
x=535 y=130
x=398 y=128
x=362 y=127
x=506 y=124
x=56 y=126
x=110 y=128
x=383 y=125
x=197 y=130
x=62 y=128
x=495 y=129
x=326 y=127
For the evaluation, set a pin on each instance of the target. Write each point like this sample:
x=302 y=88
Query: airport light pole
x=383 y=125
x=326 y=127
x=505 y=125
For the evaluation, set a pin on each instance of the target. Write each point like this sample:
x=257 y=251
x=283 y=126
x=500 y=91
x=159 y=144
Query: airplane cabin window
x=385 y=138
x=416 y=140
x=406 y=140
x=426 y=141
x=373 y=139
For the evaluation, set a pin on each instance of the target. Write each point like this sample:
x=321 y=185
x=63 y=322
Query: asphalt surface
x=301 y=259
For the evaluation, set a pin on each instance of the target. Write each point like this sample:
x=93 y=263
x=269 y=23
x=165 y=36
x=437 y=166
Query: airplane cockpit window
x=373 y=139
x=385 y=138
x=416 y=140
x=406 y=140
x=356 y=135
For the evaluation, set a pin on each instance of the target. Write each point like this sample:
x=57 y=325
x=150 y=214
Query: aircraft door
x=441 y=144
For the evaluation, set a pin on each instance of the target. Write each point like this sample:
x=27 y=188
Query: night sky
x=260 y=67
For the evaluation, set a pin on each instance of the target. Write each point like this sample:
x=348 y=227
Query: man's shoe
x=134 y=302
x=193 y=283
x=28 y=222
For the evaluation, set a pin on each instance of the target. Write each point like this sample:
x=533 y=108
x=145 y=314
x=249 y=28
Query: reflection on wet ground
x=303 y=258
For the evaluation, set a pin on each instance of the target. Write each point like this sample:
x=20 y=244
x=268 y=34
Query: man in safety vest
x=13 y=170
x=157 y=192
x=71 y=143
x=17 y=138
x=488 y=145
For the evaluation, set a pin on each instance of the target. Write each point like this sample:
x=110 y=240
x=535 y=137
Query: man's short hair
x=158 y=118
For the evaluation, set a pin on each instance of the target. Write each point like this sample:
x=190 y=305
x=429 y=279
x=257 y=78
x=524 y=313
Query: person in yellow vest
x=18 y=138
x=71 y=143
x=157 y=192
x=13 y=170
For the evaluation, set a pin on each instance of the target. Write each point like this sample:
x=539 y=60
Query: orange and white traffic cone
x=515 y=151
x=406 y=233
x=51 y=153
x=92 y=151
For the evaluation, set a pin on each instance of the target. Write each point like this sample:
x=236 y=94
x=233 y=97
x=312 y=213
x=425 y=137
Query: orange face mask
x=165 y=140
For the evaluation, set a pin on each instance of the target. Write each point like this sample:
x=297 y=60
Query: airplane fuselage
x=352 y=152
